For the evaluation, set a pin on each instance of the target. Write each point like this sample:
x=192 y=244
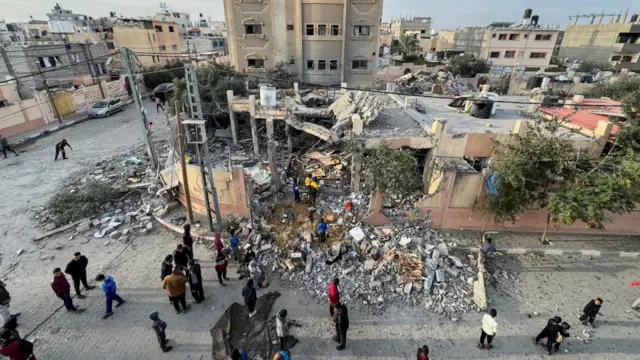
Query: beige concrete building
x=420 y=25
x=324 y=41
x=617 y=42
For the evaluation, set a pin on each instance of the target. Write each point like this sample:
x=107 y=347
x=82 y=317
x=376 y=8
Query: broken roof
x=588 y=118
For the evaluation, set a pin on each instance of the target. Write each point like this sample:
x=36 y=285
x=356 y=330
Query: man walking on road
x=175 y=286
x=195 y=281
x=77 y=268
x=60 y=149
x=341 y=321
x=334 y=295
x=590 y=311
x=62 y=289
x=4 y=144
x=109 y=287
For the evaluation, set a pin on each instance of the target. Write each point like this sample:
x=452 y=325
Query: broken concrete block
x=145 y=218
x=309 y=265
x=404 y=241
x=451 y=271
x=357 y=234
x=126 y=232
x=307 y=236
x=369 y=264
x=114 y=234
x=149 y=226
x=440 y=275
x=364 y=245
x=162 y=212
x=289 y=265
x=375 y=284
x=266 y=247
x=96 y=223
x=456 y=261
x=442 y=248
x=407 y=288
x=50 y=226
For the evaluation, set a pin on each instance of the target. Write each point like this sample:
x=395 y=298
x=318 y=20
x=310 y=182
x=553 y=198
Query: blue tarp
x=491 y=184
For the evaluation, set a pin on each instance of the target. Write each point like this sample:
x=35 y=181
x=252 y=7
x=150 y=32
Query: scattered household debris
x=439 y=83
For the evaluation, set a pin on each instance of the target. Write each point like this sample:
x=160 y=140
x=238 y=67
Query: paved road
x=549 y=286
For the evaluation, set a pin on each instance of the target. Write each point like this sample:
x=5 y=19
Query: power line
x=232 y=72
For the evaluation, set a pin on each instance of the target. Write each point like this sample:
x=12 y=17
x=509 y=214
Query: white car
x=106 y=107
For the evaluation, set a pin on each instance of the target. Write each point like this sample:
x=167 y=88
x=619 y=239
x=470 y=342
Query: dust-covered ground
x=524 y=284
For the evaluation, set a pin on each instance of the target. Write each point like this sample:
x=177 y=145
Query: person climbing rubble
x=312 y=186
x=487 y=243
x=321 y=228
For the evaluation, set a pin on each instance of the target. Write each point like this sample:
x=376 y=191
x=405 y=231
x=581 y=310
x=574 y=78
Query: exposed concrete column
x=254 y=124
x=356 y=167
x=343 y=88
x=271 y=153
x=232 y=118
x=601 y=133
x=296 y=90
x=287 y=131
x=437 y=129
x=358 y=124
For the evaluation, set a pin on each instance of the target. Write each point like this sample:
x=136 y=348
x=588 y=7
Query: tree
x=280 y=77
x=155 y=74
x=538 y=170
x=467 y=66
x=387 y=171
x=617 y=89
x=594 y=66
x=407 y=44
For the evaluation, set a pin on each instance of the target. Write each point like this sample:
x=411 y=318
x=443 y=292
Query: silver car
x=106 y=107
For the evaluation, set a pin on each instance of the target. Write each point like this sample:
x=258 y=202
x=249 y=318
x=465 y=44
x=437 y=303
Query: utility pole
x=5 y=57
x=92 y=68
x=46 y=87
x=188 y=50
x=196 y=114
x=183 y=163
x=195 y=51
x=128 y=63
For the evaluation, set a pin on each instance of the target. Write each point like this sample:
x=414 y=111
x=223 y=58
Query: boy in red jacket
x=62 y=289
x=334 y=294
x=15 y=348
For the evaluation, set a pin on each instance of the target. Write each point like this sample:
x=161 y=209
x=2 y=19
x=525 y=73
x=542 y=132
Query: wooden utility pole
x=46 y=87
x=183 y=163
x=92 y=69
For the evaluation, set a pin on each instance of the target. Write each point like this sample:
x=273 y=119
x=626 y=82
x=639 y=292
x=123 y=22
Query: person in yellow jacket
x=313 y=187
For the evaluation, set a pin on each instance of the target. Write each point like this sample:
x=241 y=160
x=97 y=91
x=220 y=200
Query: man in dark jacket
x=590 y=311
x=250 y=297
x=4 y=145
x=60 y=149
x=159 y=327
x=550 y=332
x=187 y=240
x=181 y=259
x=167 y=267
x=61 y=288
x=195 y=281
x=341 y=321
x=77 y=268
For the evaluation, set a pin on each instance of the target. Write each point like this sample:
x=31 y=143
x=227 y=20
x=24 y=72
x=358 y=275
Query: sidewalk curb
x=29 y=140
x=558 y=252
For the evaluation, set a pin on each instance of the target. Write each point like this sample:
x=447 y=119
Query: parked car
x=163 y=91
x=106 y=107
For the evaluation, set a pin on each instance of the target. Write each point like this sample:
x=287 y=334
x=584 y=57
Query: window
x=183 y=26
x=359 y=64
x=170 y=28
x=322 y=64
x=221 y=42
x=335 y=30
x=215 y=43
x=253 y=29
x=493 y=35
x=174 y=47
x=163 y=48
x=322 y=30
x=616 y=58
x=514 y=36
x=158 y=28
x=333 y=65
x=502 y=37
x=255 y=63
x=626 y=59
x=289 y=27
x=628 y=38
x=510 y=54
x=292 y=61
x=309 y=64
x=110 y=45
x=310 y=29
x=543 y=37
x=494 y=54
x=537 y=55
x=361 y=30
x=52 y=60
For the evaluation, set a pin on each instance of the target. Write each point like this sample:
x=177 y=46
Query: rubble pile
x=415 y=84
x=366 y=105
x=126 y=211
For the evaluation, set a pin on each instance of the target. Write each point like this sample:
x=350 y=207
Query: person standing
x=550 y=332
x=255 y=273
x=109 y=288
x=322 y=230
x=239 y=354
x=181 y=257
x=489 y=329
x=4 y=144
x=195 y=281
x=167 y=267
x=221 y=267
x=15 y=348
x=159 y=327
x=62 y=289
x=562 y=334
x=175 y=286
x=234 y=244
x=60 y=149
x=282 y=328
x=423 y=353
x=158 y=104
x=334 y=294
x=77 y=268
x=590 y=311
x=341 y=322
x=296 y=191
x=250 y=297
x=187 y=240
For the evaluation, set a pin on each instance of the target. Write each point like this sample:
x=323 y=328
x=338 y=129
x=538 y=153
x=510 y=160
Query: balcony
x=630 y=48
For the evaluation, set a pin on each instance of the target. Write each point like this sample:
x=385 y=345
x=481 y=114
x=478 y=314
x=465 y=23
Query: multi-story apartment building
x=617 y=42
x=417 y=25
x=183 y=20
x=325 y=42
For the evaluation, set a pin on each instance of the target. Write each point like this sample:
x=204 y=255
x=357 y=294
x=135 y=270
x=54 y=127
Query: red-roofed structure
x=588 y=115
